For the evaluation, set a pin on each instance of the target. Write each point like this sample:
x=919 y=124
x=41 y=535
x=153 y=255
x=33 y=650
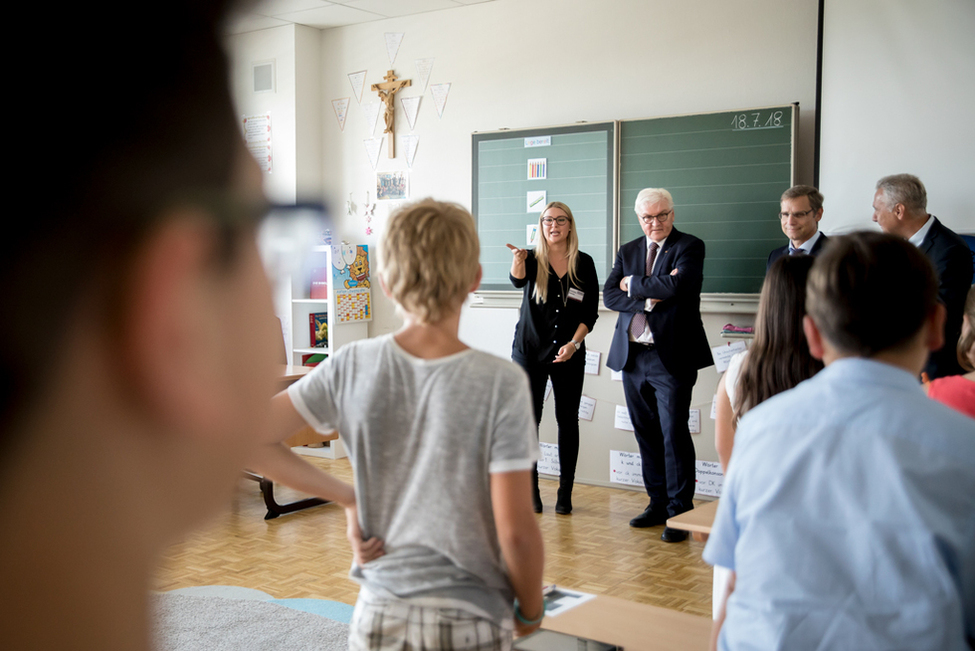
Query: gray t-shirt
x=423 y=437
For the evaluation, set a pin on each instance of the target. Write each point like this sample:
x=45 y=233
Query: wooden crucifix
x=386 y=91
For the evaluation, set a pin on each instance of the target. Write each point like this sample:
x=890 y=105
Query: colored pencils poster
x=537 y=168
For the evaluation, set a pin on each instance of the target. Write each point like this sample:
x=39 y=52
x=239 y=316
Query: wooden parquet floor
x=305 y=554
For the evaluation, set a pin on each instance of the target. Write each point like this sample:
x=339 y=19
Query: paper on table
x=709 y=478
x=723 y=354
x=558 y=600
x=548 y=464
x=625 y=468
x=622 y=420
x=694 y=421
x=586 y=406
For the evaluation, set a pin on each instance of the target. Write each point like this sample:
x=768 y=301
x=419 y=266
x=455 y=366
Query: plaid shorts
x=379 y=625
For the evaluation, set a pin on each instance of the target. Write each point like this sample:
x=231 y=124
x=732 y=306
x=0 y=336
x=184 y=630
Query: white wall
x=905 y=106
x=528 y=63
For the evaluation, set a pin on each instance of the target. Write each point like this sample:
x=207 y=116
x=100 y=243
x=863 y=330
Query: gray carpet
x=189 y=623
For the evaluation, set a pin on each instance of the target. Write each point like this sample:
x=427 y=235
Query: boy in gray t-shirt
x=442 y=442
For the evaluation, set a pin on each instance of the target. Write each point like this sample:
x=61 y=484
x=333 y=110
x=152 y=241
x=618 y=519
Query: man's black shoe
x=673 y=535
x=649 y=518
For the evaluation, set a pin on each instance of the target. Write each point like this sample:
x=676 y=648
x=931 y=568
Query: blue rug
x=334 y=610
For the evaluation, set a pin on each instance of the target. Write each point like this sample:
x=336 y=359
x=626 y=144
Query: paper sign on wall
x=532 y=235
x=393 y=40
x=592 y=362
x=723 y=354
x=257 y=136
x=411 y=105
x=358 y=81
x=537 y=168
x=411 y=144
x=548 y=464
x=587 y=406
x=535 y=200
x=622 y=419
x=440 y=92
x=616 y=376
x=625 y=468
x=423 y=69
x=709 y=478
x=373 y=147
x=371 y=112
x=341 y=108
x=538 y=141
x=694 y=421
x=714 y=407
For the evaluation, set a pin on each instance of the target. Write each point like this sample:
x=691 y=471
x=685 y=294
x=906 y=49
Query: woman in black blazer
x=558 y=309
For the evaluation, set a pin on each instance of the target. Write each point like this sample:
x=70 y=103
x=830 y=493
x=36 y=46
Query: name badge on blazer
x=576 y=294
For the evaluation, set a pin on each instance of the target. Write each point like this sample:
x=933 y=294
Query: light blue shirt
x=848 y=514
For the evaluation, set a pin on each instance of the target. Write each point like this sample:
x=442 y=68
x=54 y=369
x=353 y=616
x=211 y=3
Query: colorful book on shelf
x=319 y=283
x=318 y=326
x=313 y=359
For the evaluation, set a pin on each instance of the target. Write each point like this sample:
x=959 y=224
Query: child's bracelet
x=529 y=622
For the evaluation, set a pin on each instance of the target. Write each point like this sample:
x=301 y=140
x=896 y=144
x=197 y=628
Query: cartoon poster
x=351 y=282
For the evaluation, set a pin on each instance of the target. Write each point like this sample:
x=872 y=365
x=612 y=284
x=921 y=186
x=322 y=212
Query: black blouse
x=543 y=328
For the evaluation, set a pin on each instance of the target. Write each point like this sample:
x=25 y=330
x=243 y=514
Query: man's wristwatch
x=575 y=343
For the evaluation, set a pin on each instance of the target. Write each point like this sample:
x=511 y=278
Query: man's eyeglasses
x=660 y=218
x=561 y=221
x=797 y=215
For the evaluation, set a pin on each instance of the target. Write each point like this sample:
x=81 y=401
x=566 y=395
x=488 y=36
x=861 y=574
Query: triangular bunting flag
x=371 y=111
x=373 y=147
x=358 y=81
x=393 y=40
x=341 y=108
x=411 y=143
x=411 y=105
x=423 y=69
x=439 y=92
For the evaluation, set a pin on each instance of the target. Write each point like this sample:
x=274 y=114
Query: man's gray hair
x=653 y=195
x=905 y=189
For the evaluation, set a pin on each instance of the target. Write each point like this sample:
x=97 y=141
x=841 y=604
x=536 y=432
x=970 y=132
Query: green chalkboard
x=577 y=163
x=726 y=172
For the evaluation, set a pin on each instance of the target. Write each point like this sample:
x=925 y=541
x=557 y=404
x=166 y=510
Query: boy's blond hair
x=429 y=258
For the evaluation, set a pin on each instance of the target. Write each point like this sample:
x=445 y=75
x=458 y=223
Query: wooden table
x=698 y=520
x=633 y=626
x=288 y=375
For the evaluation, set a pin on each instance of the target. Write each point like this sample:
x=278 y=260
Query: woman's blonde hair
x=429 y=258
x=542 y=253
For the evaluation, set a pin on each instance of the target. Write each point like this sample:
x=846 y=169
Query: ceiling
x=325 y=14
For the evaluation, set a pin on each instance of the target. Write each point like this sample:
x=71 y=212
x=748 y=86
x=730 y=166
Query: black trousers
x=659 y=404
x=567 y=379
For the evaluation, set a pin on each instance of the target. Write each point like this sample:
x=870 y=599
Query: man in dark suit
x=801 y=209
x=659 y=345
x=900 y=208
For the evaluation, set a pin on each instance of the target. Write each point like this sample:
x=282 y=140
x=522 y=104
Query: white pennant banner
x=411 y=143
x=411 y=105
x=341 y=108
x=371 y=112
x=373 y=147
x=423 y=69
x=393 y=40
x=439 y=92
x=358 y=81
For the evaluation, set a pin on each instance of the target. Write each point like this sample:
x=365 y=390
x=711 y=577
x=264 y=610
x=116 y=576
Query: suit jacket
x=784 y=250
x=953 y=261
x=675 y=321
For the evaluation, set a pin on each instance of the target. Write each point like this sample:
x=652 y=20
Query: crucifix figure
x=386 y=91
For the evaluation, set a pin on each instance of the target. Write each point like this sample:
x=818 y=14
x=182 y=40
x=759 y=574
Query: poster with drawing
x=351 y=282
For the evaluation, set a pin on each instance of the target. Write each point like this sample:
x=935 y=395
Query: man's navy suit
x=784 y=250
x=658 y=379
x=953 y=261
